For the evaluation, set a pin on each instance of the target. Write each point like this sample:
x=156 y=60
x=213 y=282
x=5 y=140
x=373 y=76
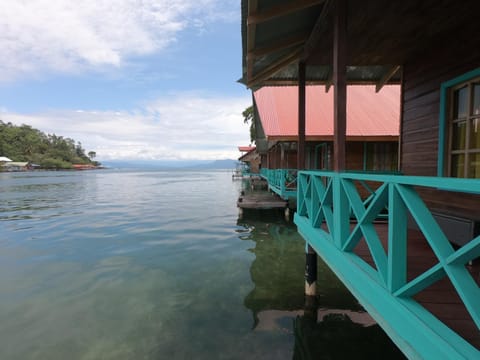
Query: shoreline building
x=416 y=274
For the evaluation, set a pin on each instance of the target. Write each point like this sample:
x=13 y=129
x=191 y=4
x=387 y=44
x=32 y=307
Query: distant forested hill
x=24 y=143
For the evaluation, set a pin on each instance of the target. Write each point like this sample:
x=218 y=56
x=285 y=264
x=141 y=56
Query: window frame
x=381 y=155
x=446 y=114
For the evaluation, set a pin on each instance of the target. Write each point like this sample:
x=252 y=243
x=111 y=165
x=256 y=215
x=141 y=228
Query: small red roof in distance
x=368 y=113
x=246 y=148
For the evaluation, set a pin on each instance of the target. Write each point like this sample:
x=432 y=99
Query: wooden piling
x=310 y=272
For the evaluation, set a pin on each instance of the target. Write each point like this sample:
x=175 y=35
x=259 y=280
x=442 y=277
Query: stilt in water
x=310 y=272
x=287 y=213
x=240 y=213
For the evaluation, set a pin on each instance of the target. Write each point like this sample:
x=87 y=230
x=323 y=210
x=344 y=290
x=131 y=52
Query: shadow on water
x=331 y=326
x=336 y=336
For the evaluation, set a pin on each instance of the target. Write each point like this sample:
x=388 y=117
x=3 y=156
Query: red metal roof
x=246 y=148
x=369 y=114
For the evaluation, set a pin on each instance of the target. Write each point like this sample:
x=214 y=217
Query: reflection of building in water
x=276 y=319
x=277 y=301
x=278 y=269
x=278 y=265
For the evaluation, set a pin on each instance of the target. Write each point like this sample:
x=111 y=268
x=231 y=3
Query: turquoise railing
x=326 y=203
x=281 y=181
x=264 y=173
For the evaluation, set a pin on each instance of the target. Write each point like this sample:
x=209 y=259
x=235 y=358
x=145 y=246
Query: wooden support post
x=282 y=156
x=340 y=84
x=301 y=117
x=310 y=272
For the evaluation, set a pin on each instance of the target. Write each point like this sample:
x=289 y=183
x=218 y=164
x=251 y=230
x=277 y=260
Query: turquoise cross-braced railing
x=328 y=201
x=264 y=173
x=281 y=181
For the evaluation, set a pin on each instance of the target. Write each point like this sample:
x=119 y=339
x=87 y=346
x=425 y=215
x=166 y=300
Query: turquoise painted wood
x=264 y=173
x=444 y=88
x=281 y=181
x=326 y=203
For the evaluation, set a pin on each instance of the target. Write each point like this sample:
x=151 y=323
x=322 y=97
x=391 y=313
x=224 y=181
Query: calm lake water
x=143 y=264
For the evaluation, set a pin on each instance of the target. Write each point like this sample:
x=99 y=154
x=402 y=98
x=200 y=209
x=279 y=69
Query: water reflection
x=331 y=326
x=337 y=336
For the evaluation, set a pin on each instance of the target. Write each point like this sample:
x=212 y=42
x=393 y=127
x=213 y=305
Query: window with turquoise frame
x=459 y=146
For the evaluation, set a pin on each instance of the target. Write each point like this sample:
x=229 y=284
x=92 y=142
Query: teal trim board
x=283 y=182
x=442 y=129
x=327 y=201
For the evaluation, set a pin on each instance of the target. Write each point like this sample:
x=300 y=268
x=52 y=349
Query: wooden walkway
x=440 y=299
x=261 y=200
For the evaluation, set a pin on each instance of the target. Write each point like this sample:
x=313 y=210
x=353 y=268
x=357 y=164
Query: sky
x=129 y=79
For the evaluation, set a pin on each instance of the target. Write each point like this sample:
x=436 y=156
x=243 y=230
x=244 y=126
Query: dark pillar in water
x=310 y=272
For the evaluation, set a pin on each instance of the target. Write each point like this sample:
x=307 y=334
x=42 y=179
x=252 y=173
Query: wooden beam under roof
x=329 y=81
x=282 y=44
x=280 y=10
x=251 y=33
x=275 y=67
x=386 y=77
x=315 y=35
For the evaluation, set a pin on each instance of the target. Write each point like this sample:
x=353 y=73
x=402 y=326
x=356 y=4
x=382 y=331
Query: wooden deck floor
x=261 y=200
x=440 y=299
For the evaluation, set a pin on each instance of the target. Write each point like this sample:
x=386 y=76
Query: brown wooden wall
x=422 y=77
x=354 y=156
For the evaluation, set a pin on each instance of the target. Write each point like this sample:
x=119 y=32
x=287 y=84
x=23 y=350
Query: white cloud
x=177 y=127
x=72 y=35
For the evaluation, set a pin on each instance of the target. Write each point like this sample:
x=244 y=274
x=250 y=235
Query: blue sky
x=129 y=79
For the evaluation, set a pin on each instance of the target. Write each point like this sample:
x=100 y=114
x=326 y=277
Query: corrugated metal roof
x=3 y=158
x=16 y=164
x=246 y=148
x=369 y=114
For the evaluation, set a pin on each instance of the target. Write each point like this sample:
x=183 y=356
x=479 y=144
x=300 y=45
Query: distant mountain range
x=171 y=164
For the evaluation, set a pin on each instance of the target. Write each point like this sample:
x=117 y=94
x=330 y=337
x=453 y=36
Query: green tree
x=249 y=117
x=24 y=143
x=92 y=155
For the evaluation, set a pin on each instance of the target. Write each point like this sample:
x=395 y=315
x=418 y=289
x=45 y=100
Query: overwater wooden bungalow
x=414 y=275
x=16 y=166
x=371 y=137
x=251 y=158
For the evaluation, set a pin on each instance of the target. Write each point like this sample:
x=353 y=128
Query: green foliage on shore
x=24 y=143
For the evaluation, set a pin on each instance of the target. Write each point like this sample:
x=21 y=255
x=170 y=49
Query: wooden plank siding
x=354 y=156
x=422 y=79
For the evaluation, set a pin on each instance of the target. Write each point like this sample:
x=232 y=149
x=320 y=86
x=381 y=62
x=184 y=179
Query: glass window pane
x=458 y=135
x=475 y=133
x=460 y=103
x=474 y=166
x=458 y=165
x=476 y=99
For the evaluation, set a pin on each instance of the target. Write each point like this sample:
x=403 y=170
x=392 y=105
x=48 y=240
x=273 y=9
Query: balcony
x=404 y=270
x=283 y=182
